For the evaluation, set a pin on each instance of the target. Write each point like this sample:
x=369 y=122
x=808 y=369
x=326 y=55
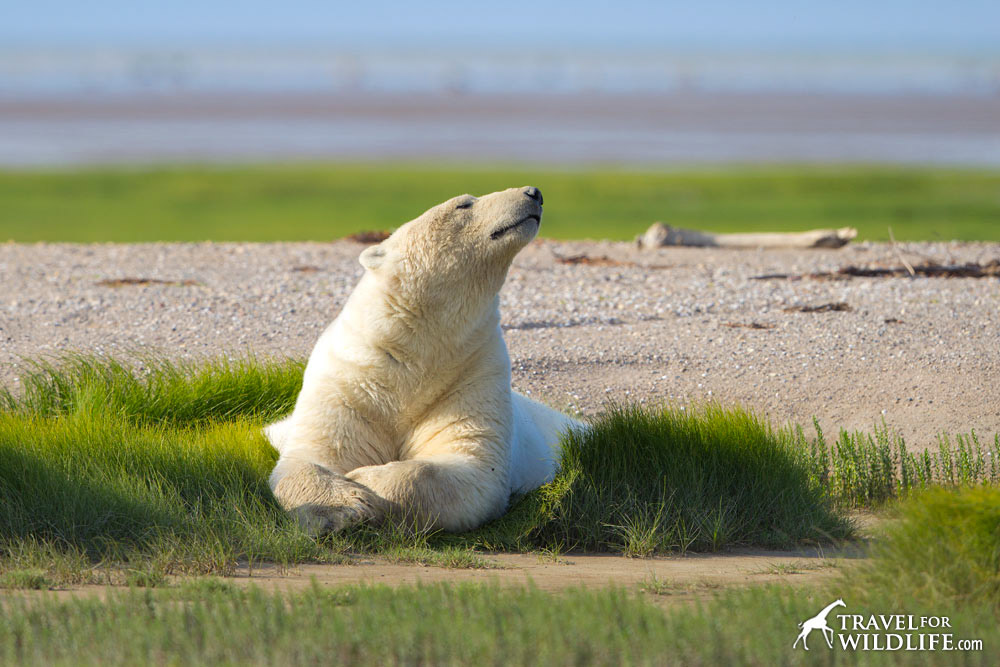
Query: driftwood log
x=659 y=235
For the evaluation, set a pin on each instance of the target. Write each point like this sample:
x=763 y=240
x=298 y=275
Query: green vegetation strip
x=945 y=546
x=322 y=202
x=158 y=468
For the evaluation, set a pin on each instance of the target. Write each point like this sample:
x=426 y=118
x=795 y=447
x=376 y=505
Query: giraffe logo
x=818 y=622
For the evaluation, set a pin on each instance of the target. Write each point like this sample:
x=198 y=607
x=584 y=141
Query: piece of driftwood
x=990 y=269
x=369 y=236
x=837 y=307
x=659 y=235
x=747 y=325
x=603 y=260
x=129 y=282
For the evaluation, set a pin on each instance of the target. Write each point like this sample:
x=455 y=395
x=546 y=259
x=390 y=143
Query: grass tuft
x=24 y=579
x=145 y=578
x=651 y=480
x=944 y=545
x=155 y=390
x=107 y=489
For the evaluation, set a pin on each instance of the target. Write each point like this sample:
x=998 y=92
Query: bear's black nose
x=535 y=194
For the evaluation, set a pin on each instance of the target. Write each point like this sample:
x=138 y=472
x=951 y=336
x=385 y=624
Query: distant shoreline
x=641 y=129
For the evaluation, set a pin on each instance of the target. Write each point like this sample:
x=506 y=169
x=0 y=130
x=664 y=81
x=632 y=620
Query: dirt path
x=687 y=577
x=667 y=581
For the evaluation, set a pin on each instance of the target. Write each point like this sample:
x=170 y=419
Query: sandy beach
x=682 y=324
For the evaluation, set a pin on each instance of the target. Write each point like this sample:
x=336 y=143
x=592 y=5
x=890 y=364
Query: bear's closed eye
x=465 y=204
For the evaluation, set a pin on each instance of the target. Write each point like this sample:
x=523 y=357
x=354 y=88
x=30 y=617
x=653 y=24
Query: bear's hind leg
x=322 y=500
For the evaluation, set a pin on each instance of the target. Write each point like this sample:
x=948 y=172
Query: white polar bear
x=406 y=406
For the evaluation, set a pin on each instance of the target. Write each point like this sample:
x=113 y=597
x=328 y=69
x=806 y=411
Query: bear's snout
x=534 y=193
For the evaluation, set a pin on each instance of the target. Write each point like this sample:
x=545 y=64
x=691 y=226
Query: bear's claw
x=320 y=519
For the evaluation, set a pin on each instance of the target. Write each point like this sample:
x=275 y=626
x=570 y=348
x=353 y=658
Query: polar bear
x=406 y=407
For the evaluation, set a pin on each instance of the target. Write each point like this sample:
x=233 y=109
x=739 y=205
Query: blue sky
x=909 y=25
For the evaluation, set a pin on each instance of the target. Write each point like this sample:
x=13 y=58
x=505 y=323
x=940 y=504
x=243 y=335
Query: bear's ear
x=372 y=257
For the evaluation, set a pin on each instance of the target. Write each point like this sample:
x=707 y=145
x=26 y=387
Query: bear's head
x=458 y=251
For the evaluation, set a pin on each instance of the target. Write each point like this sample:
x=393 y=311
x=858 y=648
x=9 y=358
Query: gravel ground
x=674 y=324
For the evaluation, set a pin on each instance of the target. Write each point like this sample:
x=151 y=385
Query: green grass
x=323 y=202
x=942 y=560
x=435 y=625
x=151 y=468
x=162 y=497
x=155 y=466
x=865 y=470
x=444 y=625
x=24 y=579
x=161 y=467
x=944 y=545
x=654 y=480
x=151 y=390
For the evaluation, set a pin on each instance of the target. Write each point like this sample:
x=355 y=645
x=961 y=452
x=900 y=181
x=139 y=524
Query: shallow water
x=680 y=127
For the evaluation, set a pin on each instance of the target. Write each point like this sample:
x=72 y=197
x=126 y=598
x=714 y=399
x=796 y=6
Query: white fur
x=406 y=407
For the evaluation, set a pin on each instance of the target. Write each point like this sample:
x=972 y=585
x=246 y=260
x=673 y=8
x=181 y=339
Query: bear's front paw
x=322 y=519
x=323 y=501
